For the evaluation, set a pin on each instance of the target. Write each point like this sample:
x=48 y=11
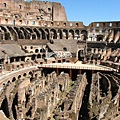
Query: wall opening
x=15 y=103
x=4 y=107
x=29 y=113
x=19 y=7
x=4 y=4
x=80 y=55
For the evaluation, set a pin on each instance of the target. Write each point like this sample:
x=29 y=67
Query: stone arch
x=33 y=36
x=47 y=34
x=99 y=37
x=26 y=34
x=37 y=32
x=53 y=34
x=71 y=34
x=85 y=33
x=59 y=34
x=1 y=35
x=3 y=28
x=43 y=33
x=76 y=35
x=65 y=34
x=19 y=32
x=4 y=107
x=13 y=32
x=30 y=30
x=6 y=33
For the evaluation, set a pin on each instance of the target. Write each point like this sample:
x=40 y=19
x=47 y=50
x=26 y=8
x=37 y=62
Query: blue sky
x=89 y=11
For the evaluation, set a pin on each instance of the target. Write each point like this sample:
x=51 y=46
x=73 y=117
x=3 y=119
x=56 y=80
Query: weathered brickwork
x=54 y=69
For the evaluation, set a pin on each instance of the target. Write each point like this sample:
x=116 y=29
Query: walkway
x=77 y=65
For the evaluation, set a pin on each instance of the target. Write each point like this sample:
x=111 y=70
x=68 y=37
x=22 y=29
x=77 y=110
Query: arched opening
x=14 y=79
x=85 y=33
x=65 y=34
x=30 y=74
x=33 y=37
x=53 y=34
x=7 y=36
x=76 y=36
x=99 y=37
x=13 y=33
x=24 y=74
x=17 y=59
x=19 y=76
x=60 y=87
x=47 y=33
x=30 y=30
x=33 y=57
x=71 y=34
x=42 y=50
x=6 y=33
x=43 y=33
x=80 y=55
x=4 y=107
x=43 y=55
x=20 y=34
x=39 y=56
x=13 y=22
x=11 y=60
x=36 y=51
x=25 y=32
x=37 y=33
x=60 y=34
x=23 y=58
x=14 y=104
x=46 y=83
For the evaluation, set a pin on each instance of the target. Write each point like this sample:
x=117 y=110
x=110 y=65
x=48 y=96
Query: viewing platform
x=78 y=66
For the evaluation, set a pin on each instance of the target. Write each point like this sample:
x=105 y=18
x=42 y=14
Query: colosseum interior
x=53 y=69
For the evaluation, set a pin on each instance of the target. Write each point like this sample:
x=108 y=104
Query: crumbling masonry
x=54 y=69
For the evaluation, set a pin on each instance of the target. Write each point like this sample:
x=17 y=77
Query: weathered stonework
x=36 y=34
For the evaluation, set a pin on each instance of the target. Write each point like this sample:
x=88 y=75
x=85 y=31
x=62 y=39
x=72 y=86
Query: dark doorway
x=5 y=108
x=14 y=104
x=80 y=55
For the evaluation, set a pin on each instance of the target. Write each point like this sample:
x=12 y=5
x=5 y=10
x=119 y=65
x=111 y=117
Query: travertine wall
x=51 y=11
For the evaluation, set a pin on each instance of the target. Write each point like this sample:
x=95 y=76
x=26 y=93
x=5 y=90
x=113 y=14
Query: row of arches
x=15 y=33
x=19 y=76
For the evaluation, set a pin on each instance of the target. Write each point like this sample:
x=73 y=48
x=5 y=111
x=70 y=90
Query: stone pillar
x=70 y=73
